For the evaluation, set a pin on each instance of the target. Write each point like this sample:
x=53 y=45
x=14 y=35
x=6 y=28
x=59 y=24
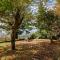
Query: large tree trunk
x=17 y=23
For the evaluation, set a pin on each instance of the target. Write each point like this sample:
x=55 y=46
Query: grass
x=34 y=50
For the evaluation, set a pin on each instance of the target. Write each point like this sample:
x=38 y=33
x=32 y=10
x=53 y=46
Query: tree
x=45 y=19
x=52 y=27
x=14 y=12
x=41 y=20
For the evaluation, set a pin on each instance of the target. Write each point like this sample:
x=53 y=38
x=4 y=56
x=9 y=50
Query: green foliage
x=41 y=15
x=33 y=36
x=11 y=6
x=41 y=20
x=45 y=23
x=45 y=18
x=5 y=5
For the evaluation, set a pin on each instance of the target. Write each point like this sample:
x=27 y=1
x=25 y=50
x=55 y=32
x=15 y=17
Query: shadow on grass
x=41 y=51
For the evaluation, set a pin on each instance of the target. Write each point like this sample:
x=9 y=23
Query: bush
x=33 y=36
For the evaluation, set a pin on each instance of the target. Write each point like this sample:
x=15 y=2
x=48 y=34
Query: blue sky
x=49 y=5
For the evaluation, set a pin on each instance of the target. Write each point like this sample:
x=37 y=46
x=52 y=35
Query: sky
x=49 y=5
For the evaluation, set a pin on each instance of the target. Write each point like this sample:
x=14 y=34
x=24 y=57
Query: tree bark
x=16 y=35
x=51 y=41
x=13 y=35
x=17 y=23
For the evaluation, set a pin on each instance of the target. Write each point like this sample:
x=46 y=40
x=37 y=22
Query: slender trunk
x=13 y=39
x=51 y=41
x=16 y=35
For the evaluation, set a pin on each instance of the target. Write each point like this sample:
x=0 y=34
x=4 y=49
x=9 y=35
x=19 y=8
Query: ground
x=37 y=49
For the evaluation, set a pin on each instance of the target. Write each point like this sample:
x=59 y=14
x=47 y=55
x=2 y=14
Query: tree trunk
x=13 y=35
x=51 y=41
x=16 y=35
x=17 y=23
